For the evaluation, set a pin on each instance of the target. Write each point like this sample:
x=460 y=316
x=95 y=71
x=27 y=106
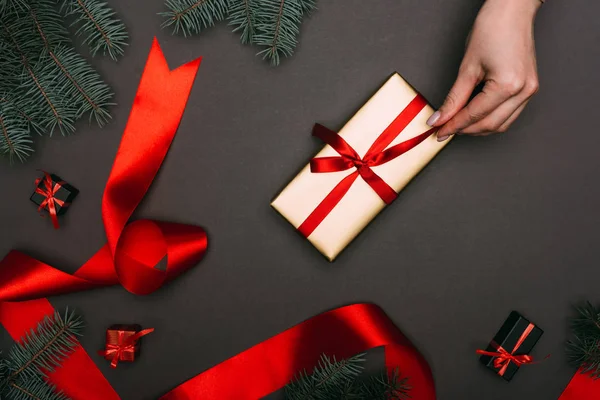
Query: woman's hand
x=500 y=52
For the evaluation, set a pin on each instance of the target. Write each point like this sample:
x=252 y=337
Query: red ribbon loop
x=349 y=158
x=123 y=345
x=503 y=358
x=134 y=250
x=49 y=191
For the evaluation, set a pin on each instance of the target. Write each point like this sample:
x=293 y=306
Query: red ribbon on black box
x=517 y=334
x=54 y=195
x=133 y=250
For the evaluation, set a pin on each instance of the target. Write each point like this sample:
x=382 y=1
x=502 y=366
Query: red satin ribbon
x=582 y=387
x=133 y=250
x=49 y=191
x=272 y=364
x=349 y=158
x=504 y=358
x=116 y=351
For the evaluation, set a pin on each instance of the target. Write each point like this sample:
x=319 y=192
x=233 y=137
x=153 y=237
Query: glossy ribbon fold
x=49 y=192
x=503 y=358
x=343 y=332
x=134 y=250
x=349 y=158
x=121 y=348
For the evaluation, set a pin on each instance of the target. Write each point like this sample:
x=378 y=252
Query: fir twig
x=342 y=380
x=15 y=141
x=583 y=350
x=328 y=377
x=278 y=28
x=192 y=16
x=76 y=78
x=23 y=373
x=38 y=91
x=242 y=15
x=385 y=386
x=97 y=22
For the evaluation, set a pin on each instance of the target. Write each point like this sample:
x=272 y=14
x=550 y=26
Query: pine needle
x=583 y=350
x=242 y=15
x=23 y=373
x=97 y=22
x=190 y=17
x=278 y=28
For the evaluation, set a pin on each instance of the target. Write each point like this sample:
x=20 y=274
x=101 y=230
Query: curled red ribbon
x=124 y=345
x=272 y=364
x=349 y=158
x=49 y=192
x=503 y=358
x=135 y=249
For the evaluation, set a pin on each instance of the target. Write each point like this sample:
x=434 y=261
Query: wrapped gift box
x=332 y=230
x=65 y=192
x=517 y=337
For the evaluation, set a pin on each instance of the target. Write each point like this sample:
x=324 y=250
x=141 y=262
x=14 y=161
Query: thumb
x=457 y=97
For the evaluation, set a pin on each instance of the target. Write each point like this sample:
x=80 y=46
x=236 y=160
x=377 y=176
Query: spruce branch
x=342 y=380
x=15 y=140
x=583 y=350
x=278 y=28
x=329 y=376
x=38 y=90
x=385 y=386
x=23 y=373
x=242 y=15
x=190 y=17
x=97 y=22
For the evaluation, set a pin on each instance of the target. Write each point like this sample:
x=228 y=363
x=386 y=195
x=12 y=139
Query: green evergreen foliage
x=242 y=15
x=278 y=28
x=97 y=22
x=341 y=380
x=271 y=24
x=45 y=85
x=583 y=350
x=192 y=16
x=39 y=352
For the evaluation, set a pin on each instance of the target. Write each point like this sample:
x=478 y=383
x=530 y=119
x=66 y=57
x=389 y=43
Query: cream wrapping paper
x=361 y=204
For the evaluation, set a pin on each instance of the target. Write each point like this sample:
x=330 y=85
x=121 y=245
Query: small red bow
x=504 y=358
x=123 y=346
x=49 y=191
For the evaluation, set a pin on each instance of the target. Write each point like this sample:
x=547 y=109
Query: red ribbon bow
x=503 y=358
x=49 y=191
x=349 y=158
x=124 y=345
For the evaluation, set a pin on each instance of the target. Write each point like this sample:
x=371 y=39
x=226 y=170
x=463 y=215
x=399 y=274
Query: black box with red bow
x=510 y=348
x=51 y=191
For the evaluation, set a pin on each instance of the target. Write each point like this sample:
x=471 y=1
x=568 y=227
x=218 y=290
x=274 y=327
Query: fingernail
x=434 y=118
x=442 y=138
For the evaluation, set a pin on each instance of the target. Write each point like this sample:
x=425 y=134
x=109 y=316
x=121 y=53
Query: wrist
x=522 y=8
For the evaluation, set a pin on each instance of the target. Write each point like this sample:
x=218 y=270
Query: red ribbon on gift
x=135 y=249
x=49 y=192
x=349 y=158
x=121 y=348
x=272 y=364
x=503 y=358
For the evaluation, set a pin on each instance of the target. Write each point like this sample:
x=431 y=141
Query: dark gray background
x=491 y=225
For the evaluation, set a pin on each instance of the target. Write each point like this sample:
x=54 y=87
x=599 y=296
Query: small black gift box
x=511 y=346
x=53 y=192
